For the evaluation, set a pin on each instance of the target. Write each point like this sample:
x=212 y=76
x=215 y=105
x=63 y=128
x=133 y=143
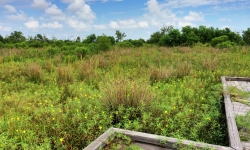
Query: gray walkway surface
x=239 y=108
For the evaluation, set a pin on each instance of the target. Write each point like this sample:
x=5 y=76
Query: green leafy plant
x=243 y=124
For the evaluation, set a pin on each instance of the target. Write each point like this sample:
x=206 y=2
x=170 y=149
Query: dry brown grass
x=65 y=74
x=126 y=93
x=161 y=74
x=210 y=63
x=33 y=71
x=183 y=69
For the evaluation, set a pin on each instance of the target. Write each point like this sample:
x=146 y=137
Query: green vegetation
x=62 y=94
x=243 y=124
x=238 y=95
x=120 y=141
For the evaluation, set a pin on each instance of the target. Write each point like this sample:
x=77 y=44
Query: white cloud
x=114 y=25
x=78 y=25
x=143 y=24
x=53 y=25
x=158 y=15
x=53 y=10
x=3 y=28
x=99 y=27
x=40 y=4
x=194 y=16
x=127 y=22
x=18 y=17
x=224 y=19
x=86 y=13
x=10 y=8
x=82 y=10
x=75 y=5
x=193 y=3
x=32 y=24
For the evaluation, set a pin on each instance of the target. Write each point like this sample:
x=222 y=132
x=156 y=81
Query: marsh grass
x=65 y=74
x=33 y=71
x=49 y=103
x=161 y=74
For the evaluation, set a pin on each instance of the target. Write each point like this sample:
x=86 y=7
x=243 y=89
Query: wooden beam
x=234 y=138
x=166 y=142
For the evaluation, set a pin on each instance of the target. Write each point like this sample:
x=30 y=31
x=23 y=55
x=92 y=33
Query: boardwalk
x=234 y=106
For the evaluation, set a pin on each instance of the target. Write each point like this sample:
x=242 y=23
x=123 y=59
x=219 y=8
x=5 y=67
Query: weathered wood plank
x=246 y=145
x=168 y=141
x=100 y=141
x=145 y=146
x=233 y=133
x=230 y=83
x=247 y=86
x=237 y=85
x=244 y=84
x=240 y=109
x=236 y=78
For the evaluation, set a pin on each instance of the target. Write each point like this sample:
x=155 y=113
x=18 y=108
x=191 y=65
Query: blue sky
x=67 y=19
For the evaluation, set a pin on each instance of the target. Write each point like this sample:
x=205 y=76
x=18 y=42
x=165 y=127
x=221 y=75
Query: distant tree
x=16 y=36
x=119 y=35
x=78 y=39
x=1 y=39
x=154 y=38
x=204 y=34
x=112 y=39
x=38 y=37
x=90 y=39
x=159 y=36
x=175 y=37
x=165 y=29
x=246 y=36
x=104 y=42
x=188 y=37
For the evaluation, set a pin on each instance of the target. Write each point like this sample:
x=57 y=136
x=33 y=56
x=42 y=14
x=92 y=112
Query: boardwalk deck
x=149 y=141
x=234 y=107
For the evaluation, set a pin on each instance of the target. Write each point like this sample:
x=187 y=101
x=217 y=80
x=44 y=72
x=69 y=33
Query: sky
x=67 y=19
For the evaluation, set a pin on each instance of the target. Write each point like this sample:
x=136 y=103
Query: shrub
x=160 y=74
x=82 y=51
x=34 y=72
x=126 y=98
x=64 y=75
x=183 y=69
x=104 y=43
x=1 y=45
x=218 y=40
x=126 y=93
x=226 y=44
x=125 y=45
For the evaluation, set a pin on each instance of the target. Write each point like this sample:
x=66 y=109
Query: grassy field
x=53 y=101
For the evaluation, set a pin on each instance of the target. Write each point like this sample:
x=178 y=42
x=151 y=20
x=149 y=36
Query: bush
x=226 y=44
x=53 y=51
x=124 y=96
x=218 y=40
x=124 y=45
x=104 y=43
x=1 y=45
x=126 y=93
x=82 y=51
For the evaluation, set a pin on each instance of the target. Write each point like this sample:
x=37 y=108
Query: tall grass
x=47 y=102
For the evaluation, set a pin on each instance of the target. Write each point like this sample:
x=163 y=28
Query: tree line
x=166 y=36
